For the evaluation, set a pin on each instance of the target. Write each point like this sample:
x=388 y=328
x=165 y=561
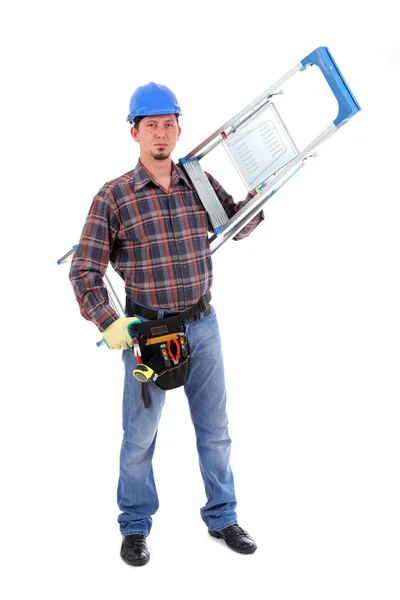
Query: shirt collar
x=142 y=177
x=179 y=173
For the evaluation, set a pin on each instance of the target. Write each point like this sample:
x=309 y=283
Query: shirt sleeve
x=90 y=260
x=231 y=208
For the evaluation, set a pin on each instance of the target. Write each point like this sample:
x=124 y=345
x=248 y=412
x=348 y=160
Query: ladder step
x=260 y=147
x=206 y=193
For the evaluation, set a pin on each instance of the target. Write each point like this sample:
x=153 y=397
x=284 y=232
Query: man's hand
x=116 y=336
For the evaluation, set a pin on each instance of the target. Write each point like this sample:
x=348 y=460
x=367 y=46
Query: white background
x=313 y=407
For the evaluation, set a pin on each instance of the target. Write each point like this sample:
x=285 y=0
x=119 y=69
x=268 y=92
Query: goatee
x=160 y=155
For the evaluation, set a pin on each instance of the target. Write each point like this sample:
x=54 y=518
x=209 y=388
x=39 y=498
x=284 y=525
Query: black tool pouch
x=151 y=335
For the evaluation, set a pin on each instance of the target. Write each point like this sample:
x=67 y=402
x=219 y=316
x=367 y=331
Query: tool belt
x=187 y=316
x=162 y=347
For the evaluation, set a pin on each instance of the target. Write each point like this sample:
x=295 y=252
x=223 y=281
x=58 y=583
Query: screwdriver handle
x=164 y=354
x=183 y=343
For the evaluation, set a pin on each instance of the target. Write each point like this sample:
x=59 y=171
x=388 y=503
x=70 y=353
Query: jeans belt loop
x=202 y=304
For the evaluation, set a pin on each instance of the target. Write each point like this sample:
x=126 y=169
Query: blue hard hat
x=153 y=99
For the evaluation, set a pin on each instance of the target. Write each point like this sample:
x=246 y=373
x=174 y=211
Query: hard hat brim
x=152 y=113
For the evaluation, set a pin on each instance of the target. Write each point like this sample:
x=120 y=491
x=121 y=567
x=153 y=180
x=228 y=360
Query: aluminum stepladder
x=262 y=150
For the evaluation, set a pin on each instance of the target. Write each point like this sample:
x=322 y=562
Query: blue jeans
x=206 y=394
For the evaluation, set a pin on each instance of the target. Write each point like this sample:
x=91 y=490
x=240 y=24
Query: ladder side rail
x=67 y=255
x=114 y=302
x=112 y=294
x=275 y=179
x=119 y=309
x=249 y=107
x=235 y=126
x=217 y=240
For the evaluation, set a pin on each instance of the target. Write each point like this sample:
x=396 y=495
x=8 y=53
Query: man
x=152 y=227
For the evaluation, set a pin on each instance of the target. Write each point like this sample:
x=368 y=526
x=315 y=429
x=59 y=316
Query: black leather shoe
x=134 y=550
x=236 y=538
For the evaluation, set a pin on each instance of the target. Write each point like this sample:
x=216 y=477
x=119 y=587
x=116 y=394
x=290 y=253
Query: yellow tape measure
x=143 y=373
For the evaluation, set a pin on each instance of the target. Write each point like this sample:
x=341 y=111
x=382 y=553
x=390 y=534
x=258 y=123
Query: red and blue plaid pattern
x=156 y=241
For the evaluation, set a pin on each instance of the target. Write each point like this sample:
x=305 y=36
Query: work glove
x=117 y=335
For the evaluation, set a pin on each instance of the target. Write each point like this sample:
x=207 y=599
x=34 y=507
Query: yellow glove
x=117 y=335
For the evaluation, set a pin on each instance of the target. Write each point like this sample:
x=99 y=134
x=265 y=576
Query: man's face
x=157 y=136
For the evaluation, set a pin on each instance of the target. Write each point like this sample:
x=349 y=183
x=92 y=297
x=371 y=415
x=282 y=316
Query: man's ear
x=179 y=132
x=135 y=134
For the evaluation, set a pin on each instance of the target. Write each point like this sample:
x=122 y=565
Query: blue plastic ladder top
x=348 y=105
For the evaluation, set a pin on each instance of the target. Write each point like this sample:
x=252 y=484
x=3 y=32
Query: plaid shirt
x=156 y=241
